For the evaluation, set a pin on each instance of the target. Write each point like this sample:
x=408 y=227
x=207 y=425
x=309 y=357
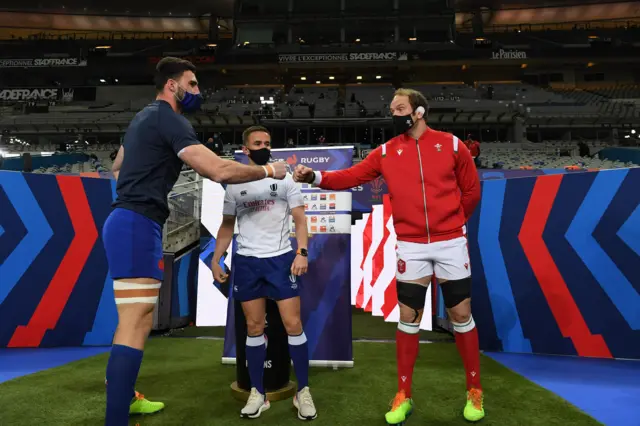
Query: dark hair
x=170 y=68
x=416 y=99
x=253 y=129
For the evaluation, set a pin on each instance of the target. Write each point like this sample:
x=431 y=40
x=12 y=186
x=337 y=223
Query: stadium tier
x=358 y=237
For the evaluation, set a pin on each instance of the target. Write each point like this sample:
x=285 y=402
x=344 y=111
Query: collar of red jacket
x=405 y=138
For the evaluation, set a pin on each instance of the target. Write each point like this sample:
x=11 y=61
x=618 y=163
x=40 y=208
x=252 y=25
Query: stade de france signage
x=509 y=54
x=36 y=94
x=298 y=58
x=42 y=62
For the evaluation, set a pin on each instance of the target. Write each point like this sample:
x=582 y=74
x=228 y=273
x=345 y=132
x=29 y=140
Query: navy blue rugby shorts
x=133 y=244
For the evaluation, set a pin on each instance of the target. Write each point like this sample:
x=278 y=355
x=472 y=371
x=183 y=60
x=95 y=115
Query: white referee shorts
x=448 y=260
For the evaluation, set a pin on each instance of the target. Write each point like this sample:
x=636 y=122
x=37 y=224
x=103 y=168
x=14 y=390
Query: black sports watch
x=302 y=252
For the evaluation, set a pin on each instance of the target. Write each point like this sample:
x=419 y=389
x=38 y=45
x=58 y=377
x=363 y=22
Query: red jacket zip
x=424 y=191
x=446 y=178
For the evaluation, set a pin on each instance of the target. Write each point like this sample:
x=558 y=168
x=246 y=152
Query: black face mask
x=260 y=156
x=402 y=123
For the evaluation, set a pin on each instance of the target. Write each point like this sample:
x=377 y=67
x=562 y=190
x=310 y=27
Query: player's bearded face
x=188 y=101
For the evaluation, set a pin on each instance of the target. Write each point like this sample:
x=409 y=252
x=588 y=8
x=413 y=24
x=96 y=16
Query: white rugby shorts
x=448 y=260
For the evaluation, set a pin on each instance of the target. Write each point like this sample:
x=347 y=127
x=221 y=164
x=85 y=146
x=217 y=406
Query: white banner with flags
x=373 y=267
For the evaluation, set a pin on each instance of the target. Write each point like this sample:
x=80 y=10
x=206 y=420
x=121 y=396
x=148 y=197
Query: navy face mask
x=189 y=102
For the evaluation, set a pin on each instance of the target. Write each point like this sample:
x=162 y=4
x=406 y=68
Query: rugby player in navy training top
x=159 y=139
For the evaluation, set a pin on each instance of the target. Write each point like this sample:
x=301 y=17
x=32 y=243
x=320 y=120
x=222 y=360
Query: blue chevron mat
x=16 y=363
x=607 y=390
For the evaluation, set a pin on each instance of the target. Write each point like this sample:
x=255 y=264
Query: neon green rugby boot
x=401 y=409
x=474 y=410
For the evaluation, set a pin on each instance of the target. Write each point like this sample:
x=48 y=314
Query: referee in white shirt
x=265 y=266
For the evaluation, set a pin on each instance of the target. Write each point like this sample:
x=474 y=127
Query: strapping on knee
x=411 y=295
x=408 y=328
x=127 y=292
x=464 y=327
x=455 y=291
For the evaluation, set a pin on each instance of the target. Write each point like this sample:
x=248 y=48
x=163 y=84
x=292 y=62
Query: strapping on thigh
x=128 y=292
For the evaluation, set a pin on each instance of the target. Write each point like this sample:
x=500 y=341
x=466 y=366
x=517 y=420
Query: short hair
x=171 y=68
x=416 y=99
x=249 y=130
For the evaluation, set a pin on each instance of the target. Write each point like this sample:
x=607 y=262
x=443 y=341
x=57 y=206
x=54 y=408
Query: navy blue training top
x=151 y=165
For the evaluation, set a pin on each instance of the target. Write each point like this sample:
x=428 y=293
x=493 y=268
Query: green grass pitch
x=187 y=375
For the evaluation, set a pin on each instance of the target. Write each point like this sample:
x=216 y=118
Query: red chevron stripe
x=390 y=293
x=366 y=239
x=390 y=299
x=369 y=306
x=561 y=302
x=360 y=295
x=366 y=246
x=55 y=298
x=377 y=264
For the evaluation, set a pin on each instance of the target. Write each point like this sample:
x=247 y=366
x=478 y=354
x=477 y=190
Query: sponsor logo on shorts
x=323 y=197
x=314 y=229
x=243 y=193
x=466 y=266
x=323 y=220
x=314 y=219
x=332 y=206
x=332 y=228
x=306 y=206
x=332 y=196
x=323 y=206
x=323 y=229
x=332 y=219
x=161 y=264
x=314 y=197
x=306 y=198
x=402 y=266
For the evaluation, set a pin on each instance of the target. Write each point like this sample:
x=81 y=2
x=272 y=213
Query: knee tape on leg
x=127 y=293
x=464 y=327
x=411 y=295
x=455 y=291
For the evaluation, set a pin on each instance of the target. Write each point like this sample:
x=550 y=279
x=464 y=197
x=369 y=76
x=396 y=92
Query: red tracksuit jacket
x=433 y=184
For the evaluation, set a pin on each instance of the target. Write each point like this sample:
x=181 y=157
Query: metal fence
x=183 y=225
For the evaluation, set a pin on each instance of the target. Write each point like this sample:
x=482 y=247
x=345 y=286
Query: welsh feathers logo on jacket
x=377 y=188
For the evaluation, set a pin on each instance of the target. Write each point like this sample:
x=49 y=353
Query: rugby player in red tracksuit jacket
x=434 y=188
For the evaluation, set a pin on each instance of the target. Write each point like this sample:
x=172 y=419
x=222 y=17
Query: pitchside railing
x=183 y=225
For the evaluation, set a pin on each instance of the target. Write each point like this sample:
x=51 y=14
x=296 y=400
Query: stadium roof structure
x=224 y=8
